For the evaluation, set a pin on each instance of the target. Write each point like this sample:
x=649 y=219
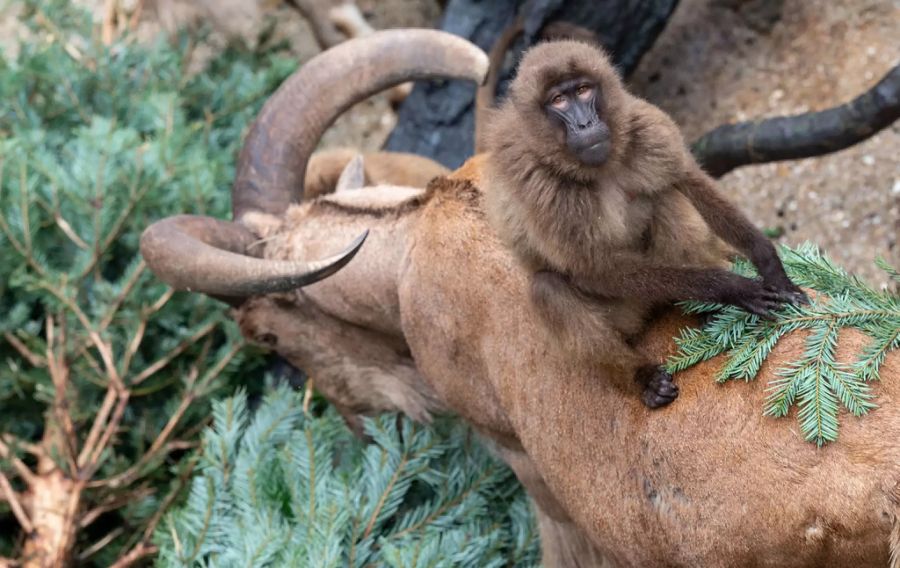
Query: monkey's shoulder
x=656 y=145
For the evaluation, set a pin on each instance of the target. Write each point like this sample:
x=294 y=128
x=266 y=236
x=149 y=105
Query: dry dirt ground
x=718 y=61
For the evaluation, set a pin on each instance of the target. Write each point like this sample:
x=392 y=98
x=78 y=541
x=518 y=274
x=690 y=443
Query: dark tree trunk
x=437 y=119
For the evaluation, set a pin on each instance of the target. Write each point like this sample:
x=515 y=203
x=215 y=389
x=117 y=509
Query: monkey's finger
x=791 y=296
x=667 y=389
x=759 y=308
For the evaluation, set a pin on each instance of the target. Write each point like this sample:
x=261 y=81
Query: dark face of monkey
x=573 y=105
x=567 y=108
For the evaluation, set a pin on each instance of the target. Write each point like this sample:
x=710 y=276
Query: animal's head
x=217 y=257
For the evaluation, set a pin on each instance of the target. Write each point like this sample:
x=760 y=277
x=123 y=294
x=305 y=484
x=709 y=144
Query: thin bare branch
x=100 y=544
x=112 y=503
x=15 y=442
x=67 y=229
x=165 y=360
x=183 y=479
x=33 y=358
x=324 y=30
x=126 y=290
x=18 y=465
x=106 y=408
x=58 y=367
x=93 y=462
x=15 y=504
x=109 y=20
x=802 y=136
x=137 y=553
x=158 y=449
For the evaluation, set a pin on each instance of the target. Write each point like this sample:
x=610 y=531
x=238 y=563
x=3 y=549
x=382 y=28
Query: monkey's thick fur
x=607 y=244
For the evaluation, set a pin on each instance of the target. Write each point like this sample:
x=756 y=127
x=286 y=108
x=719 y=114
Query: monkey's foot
x=659 y=390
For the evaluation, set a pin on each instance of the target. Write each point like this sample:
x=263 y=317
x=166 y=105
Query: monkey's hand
x=756 y=296
x=776 y=279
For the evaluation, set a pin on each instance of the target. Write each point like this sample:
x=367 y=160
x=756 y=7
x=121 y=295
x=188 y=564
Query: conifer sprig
x=817 y=383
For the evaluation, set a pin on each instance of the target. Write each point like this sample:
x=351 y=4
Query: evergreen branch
x=437 y=513
x=422 y=496
x=875 y=353
x=891 y=271
x=816 y=382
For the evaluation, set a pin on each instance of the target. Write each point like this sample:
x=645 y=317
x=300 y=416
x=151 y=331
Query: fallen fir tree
x=106 y=373
x=288 y=488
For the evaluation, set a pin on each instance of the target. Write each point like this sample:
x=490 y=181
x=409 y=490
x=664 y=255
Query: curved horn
x=207 y=255
x=272 y=163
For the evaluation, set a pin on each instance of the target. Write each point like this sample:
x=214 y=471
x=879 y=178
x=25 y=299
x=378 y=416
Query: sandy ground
x=718 y=61
x=716 y=64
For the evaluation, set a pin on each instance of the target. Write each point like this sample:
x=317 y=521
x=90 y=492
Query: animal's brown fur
x=663 y=488
x=430 y=316
x=607 y=244
x=382 y=168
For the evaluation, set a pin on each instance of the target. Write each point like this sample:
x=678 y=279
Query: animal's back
x=708 y=481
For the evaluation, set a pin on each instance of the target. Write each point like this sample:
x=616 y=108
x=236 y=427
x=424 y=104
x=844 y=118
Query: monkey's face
x=573 y=105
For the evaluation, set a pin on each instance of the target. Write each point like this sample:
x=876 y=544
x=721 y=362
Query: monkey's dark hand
x=659 y=390
x=756 y=296
x=776 y=279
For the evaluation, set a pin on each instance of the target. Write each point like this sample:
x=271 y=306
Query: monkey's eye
x=583 y=91
x=558 y=101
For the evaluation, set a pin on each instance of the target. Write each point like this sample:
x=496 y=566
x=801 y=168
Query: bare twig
x=166 y=359
x=32 y=357
x=126 y=290
x=98 y=546
x=136 y=15
x=70 y=232
x=58 y=367
x=15 y=504
x=140 y=551
x=109 y=20
x=113 y=503
x=326 y=33
x=308 y=391
x=806 y=135
x=21 y=469
x=32 y=449
x=183 y=479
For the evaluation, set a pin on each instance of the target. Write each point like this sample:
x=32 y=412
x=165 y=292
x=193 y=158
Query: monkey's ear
x=353 y=176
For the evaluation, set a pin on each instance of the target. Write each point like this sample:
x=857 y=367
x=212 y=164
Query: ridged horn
x=207 y=255
x=272 y=163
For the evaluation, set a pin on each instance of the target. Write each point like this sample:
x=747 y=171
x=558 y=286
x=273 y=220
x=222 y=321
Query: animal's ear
x=353 y=176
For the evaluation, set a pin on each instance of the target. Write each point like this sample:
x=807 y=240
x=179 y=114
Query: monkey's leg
x=592 y=329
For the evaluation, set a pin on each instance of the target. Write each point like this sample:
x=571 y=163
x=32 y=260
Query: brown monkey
x=597 y=195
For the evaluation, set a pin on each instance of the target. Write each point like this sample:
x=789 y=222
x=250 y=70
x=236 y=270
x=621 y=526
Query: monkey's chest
x=621 y=222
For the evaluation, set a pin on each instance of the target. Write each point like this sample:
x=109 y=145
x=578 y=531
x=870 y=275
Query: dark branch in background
x=803 y=136
x=437 y=119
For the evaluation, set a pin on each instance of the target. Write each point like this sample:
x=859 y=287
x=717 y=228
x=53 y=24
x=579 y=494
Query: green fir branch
x=816 y=383
x=282 y=488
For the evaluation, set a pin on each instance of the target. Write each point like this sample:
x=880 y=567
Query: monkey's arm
x=630 y=275
x=734 y=228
